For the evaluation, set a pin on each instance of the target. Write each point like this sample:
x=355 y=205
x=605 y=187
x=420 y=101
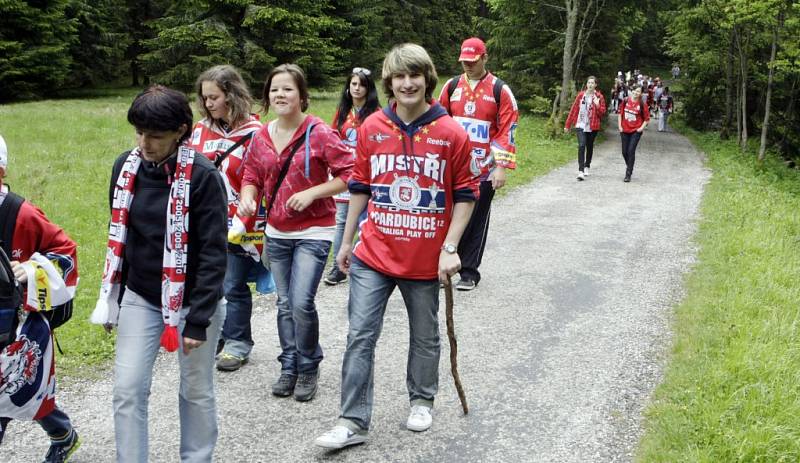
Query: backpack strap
x=453 y=85
x=498 y=90
x=219 y=158
x=8 y=219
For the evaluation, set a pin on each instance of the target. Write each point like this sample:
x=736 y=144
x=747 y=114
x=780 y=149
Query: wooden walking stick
x=451 y=336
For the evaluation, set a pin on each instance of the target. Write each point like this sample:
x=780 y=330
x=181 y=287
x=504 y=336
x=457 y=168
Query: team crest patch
x=405 y=191
x=19 y=364
x=469 y=108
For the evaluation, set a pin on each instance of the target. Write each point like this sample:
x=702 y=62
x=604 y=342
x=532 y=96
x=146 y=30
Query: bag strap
x=8 y=219
x=221 y=157
x=285 y=167
x=453 y=85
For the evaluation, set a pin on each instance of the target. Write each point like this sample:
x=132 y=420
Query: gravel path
x=560 y=346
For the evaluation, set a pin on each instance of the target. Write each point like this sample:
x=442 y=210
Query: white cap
x=3 y=153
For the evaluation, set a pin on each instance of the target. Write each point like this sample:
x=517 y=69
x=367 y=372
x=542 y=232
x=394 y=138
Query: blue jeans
x=236 y=331
x=369 y=293
x=341 y=219
x=297 y=267
x=138 y=335
x=56 y=424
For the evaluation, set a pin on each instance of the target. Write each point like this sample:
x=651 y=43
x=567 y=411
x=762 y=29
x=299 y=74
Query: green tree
x=35 y=39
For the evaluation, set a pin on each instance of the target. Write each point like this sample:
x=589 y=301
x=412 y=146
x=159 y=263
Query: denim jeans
x=341 y=219
x=138 y=335
x=585 y=145
x=236 y=331
x=629 y=143
x=369 y=293
x=297 y=267
x=56 y=424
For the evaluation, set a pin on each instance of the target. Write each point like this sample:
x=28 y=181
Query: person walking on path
x=44 y=262
x=164 y=272
x=665 y=104
x=359 y=99
x=585 y=115
x=301 y=217
x=223 y=136
x=632 y=120
x=413 y=177
x=487 y=110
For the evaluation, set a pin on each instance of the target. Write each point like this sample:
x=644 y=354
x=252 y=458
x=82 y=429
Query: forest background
x=741 y=57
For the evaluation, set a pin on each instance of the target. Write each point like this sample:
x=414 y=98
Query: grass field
x=61 y=153
x=731 y=391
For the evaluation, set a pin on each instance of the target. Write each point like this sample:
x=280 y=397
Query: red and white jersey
x=212 y=141
x=349 y=134
x=633 y=115
x=489 y=124
x=413 y=174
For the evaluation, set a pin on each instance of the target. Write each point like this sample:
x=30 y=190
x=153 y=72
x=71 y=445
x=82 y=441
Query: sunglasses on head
x=364 y=71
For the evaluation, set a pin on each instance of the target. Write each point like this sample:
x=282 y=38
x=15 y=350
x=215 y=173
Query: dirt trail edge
x=560 y=346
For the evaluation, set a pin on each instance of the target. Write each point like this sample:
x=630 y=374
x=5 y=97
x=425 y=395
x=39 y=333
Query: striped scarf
x=176 y=246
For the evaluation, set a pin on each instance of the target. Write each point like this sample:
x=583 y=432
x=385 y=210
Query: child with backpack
x=39 y=276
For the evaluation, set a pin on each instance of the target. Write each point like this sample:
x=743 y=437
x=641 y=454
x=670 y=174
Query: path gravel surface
x=560 y=346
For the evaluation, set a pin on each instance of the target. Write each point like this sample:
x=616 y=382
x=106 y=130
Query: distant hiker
x=487 y=110
x=410 y=221
x=676 y=71
x=359 y=99
x=587 y=111
x=163 y=277
x=224 y=136
x=292 y=159
x=665 y=104
x=632 y=120
x=40 y=274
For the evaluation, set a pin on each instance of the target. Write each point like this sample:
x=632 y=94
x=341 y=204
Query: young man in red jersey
x=487 y=110
x=413 y=178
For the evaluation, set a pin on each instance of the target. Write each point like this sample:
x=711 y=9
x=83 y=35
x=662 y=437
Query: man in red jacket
x=44 y=261
x=487 y=110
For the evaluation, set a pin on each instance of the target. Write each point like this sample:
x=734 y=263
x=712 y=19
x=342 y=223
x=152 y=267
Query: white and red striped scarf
x=176 y=246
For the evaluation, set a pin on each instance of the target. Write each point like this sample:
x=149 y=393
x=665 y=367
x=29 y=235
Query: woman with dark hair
x=633 y=119
x=162 y=280
x=359 y=100
x=290 y=161
x=587 y=110
x=223 y=136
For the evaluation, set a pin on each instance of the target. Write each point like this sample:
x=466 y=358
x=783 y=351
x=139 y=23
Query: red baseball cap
x=472 y=49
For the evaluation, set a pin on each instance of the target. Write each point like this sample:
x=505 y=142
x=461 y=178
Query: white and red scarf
x=176 y=245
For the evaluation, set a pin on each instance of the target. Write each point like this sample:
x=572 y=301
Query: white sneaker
x=419 y=419
x=340 y=437
x=586 y=171
x=580 y=176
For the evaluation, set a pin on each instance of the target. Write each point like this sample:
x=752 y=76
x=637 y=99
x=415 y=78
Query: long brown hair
x=237 y=95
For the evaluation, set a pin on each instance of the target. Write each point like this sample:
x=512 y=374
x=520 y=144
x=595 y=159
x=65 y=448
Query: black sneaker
x=61 y=451
x=465 y=284
x=627 y=179
x=335 y=277
x=306 y=386
x=284 y=386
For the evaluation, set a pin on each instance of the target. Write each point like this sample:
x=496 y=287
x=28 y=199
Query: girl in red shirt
x=633 y=119
x=359 y=100
x=290 y=161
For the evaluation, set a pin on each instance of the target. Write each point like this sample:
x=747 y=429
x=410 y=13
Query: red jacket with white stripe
x=211 y=140
x=414 y=174
x=489 y=124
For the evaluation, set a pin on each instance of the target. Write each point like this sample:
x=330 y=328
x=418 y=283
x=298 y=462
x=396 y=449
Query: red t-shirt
x=633 y=115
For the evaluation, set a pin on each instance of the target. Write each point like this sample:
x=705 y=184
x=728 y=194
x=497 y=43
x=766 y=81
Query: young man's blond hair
x=411 y=58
